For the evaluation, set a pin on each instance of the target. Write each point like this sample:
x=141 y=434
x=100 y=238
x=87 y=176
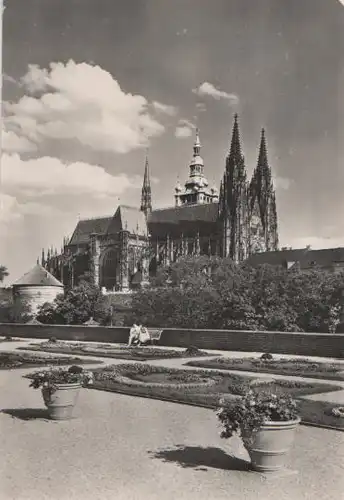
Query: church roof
x=128 y=218
x=38 y=276
x=86 y=227
x=304 y=257
x=206 y=212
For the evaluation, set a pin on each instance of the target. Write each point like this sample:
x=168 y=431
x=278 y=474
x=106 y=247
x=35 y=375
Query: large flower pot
x=269 y=445
x=60 y=400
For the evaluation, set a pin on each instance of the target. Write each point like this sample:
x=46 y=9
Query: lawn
x=10 y=360
x=206 y=388
x=279 y=366
x=111 y=351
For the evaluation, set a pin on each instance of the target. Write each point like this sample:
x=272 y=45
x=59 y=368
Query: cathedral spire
x=263 y=169
x=146 y=193
x=233 y=201
x=262 y=203
x=235 y=149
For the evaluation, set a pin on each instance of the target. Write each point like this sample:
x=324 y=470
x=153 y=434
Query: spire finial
x=197 y=144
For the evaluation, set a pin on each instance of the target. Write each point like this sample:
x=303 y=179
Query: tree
x=216 y=293
x=13 y=311
x=77 y=306
x=3 y=273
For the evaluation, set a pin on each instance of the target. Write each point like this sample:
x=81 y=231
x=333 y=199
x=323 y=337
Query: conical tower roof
x=38 y=276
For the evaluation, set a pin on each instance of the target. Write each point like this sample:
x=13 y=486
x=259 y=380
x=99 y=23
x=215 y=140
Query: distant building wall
x=35 y=295
x=305 y=344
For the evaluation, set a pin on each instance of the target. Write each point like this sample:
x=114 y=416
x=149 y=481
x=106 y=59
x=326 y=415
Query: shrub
x=266 y=356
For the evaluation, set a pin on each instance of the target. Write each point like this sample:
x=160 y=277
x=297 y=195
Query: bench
x=154 y=334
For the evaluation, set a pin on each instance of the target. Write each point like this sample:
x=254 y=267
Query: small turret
x=196 y=190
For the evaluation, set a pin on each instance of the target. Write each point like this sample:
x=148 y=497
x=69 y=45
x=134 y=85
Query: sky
x=92 y=86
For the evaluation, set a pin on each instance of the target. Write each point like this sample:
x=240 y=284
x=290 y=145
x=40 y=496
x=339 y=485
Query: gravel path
x=125 y=448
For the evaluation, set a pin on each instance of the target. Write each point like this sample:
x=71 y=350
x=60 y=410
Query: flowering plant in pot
x=265 y=422
x=60 y=389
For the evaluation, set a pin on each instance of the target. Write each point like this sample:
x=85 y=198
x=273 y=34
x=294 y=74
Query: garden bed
x=110 y=351
x=293 y=367
x=205 y=388
x=10 y=339
x=10 y=360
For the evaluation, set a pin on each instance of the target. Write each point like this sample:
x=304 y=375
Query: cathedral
x=123 y=251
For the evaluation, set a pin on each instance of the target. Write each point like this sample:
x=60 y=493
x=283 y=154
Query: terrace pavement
x=132 y=448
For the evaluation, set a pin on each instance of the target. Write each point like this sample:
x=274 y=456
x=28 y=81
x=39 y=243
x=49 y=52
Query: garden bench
x=142 y=335
x=154 y=334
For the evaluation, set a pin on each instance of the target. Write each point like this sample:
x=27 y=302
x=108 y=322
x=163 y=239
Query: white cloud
x=165 y=108
x=84 y=103
x=200 y=106
x=9 y=79
x=208 y=89
x=13 y=143
x=50 y=176
x=9 y=209
x=183 y=32
x=184 y=129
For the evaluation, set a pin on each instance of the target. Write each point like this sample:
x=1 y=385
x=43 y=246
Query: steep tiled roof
x=86 y=227
x=38 y=276
x=206 y=212
x=304 y=257
x=130 y=219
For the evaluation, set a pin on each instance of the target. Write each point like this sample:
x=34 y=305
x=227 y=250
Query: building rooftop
x=38 y=276
x=206 y=212
x=86 y=227
x=303 y=257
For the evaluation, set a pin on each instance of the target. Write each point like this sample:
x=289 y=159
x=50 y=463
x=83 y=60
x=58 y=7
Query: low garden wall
x=306 y=344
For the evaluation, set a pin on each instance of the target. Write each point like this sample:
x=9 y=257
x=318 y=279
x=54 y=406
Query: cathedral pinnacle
x=146 y=194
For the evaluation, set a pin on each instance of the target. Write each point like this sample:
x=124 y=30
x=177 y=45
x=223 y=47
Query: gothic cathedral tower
x=263 y=230
x=233 y=203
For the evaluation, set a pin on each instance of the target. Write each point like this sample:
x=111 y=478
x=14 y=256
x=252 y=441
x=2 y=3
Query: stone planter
x=268 y=447
x=61 y=400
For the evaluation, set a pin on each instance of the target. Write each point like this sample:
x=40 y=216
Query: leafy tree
x=76 y=306
x=13 y=311
x=216 y=293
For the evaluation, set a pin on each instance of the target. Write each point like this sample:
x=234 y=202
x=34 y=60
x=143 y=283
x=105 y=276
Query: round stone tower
x=36 y=288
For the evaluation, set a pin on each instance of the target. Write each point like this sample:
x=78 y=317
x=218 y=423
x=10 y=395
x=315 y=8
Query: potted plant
x=60 y=389
x=266 y=424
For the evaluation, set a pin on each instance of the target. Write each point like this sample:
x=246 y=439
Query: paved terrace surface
x=128 y=448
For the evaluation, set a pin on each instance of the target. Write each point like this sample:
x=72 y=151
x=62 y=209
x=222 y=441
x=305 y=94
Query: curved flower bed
x=138 y=375
x=207 y=387
x=294 y=367
x=112 y=351
x=11 y=360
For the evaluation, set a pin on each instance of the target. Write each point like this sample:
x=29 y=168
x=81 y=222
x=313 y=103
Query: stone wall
x=36 y=296
x=306 y=344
